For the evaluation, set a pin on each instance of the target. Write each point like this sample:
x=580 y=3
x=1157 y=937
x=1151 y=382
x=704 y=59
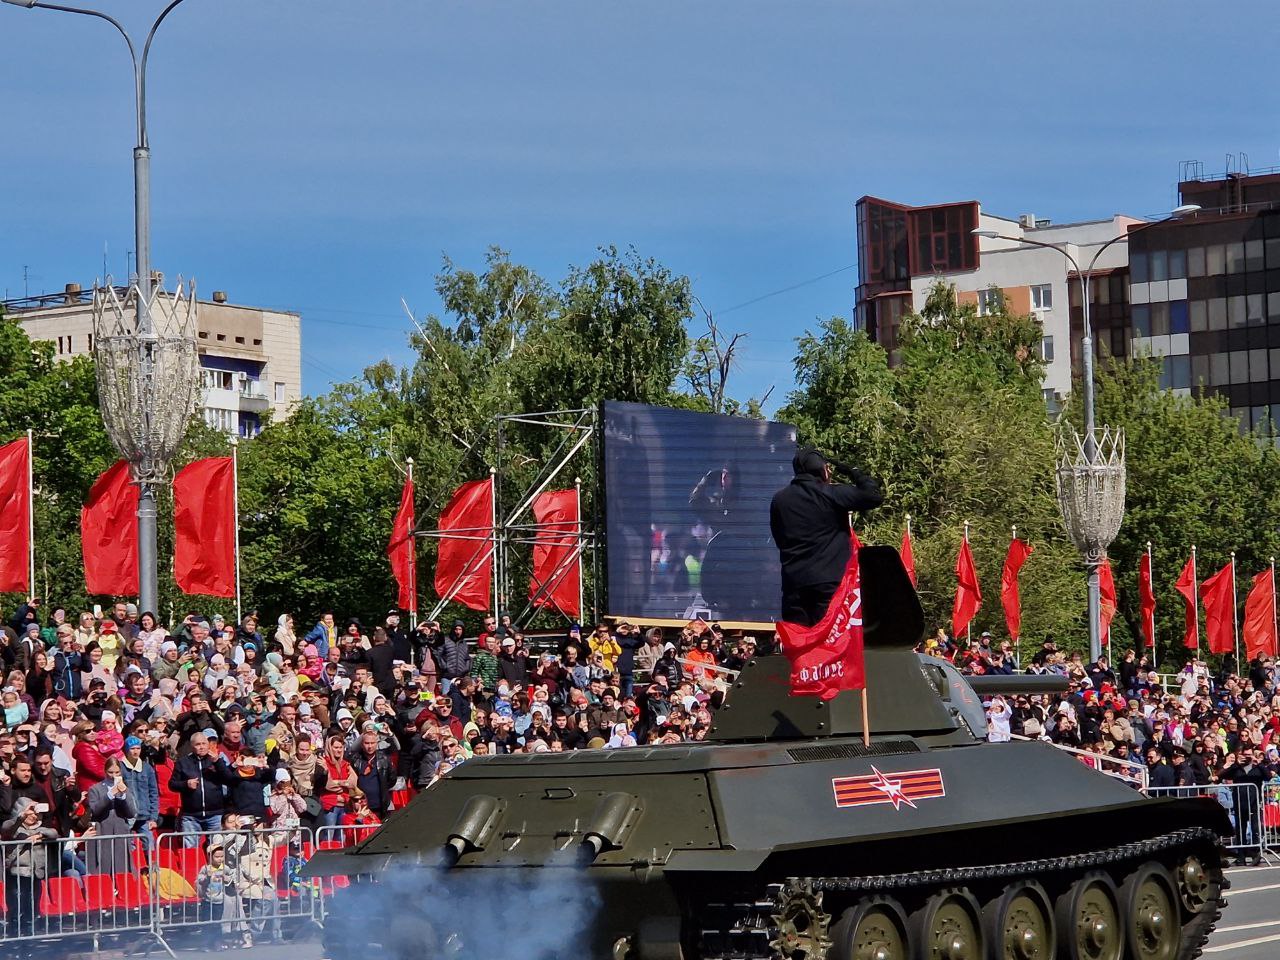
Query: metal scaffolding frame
x=518 y=527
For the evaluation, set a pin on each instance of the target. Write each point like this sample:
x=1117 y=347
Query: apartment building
x=250 y=357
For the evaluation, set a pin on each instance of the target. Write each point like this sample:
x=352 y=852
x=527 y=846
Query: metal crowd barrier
x=100 y=890
x=1271 y=819
x=1243 y=803
x=335 y=838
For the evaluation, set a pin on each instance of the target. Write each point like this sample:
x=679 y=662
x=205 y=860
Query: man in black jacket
x=198 y=778
x=809 y=520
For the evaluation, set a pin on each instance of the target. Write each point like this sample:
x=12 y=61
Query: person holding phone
x=113 y=809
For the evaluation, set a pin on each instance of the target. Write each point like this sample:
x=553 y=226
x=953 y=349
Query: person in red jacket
x=90 y=763
x=359 y=820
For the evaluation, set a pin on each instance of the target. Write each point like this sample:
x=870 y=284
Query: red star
x=892 y=790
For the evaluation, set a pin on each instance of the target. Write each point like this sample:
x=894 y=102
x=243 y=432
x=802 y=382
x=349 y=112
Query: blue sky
x=322 y=155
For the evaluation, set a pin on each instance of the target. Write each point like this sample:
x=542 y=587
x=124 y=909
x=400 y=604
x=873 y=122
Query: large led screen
x=687 y=513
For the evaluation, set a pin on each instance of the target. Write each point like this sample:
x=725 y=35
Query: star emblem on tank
x=897 y=788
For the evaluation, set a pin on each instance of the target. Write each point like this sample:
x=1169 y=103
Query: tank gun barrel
x=989 y=685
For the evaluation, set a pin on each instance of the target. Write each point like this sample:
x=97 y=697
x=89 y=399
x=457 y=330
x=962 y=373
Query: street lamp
x=147 y=371
x=1091 y=474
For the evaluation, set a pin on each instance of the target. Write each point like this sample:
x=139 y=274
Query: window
x=1159 y=266
x=1142 y=320
x=1179 y=317
x=1253 y=309
x=279 y=393
x=1160 y=319
x=1215 y=263
x=1239 y=360
x=217 y=379
x=1253 y=259
x=1139 y=268
x=91 y=343
x=1180 y=372
x=59 y=346
x=1218 y=313
x=1177 y=264
x=221 y=337
x=990 y=301
x=1235 y=311
x=1046 y=349
x=204 y=334
x=1273 y=254
x=1257 y=366
x=1041 y=296
x=1219 y=369
x=1235 y=258
x=1195 y=262
x=1273 y=306
x=1199 y=316
x=239 y=339
x=1199 y=370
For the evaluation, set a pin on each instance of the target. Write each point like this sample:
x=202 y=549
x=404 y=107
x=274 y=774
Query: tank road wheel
x=948 y=927
x=1089 y=926
x=1019 y=924
x=1196 y=886
x=1150 y=910
x=873 y=929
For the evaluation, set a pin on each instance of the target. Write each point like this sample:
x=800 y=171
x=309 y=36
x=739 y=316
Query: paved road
x=1250 y=926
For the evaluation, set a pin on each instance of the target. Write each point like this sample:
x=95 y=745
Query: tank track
x=748 y=930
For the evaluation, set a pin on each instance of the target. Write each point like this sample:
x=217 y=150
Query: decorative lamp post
x=1090 y=475
x=145 y=344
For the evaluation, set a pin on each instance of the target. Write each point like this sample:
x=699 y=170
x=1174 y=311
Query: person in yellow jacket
x=603 y=643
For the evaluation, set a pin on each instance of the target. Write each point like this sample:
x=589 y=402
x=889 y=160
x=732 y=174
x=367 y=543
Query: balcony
x=252 y=398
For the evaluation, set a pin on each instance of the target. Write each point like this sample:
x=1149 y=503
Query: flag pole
x=235 y=486
x=577 y=487
x=1235 y=615
x=493 y=499
x=1155 y=657
x=31 y=515
x=1195 y=590
x=413 y=556
x=1017 y=641
x=1273 y=598
x=968 y=627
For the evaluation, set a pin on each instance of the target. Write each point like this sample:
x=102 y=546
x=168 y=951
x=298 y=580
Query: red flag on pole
x=15 y=517
x=1260 y=617
x=968 y=594
x=1107 y=603
x=109 y=533
x=464 y=563
x=827 y=657
x=401 y=551
x=1147 y=600
x=204 y=527
x=1019 y=550
x=554 y=581
x=908 y=556
x=1218 y=596
x=1186 y=586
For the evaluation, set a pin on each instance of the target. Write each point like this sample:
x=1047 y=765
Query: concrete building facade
x=250 y=357
x=904 y=250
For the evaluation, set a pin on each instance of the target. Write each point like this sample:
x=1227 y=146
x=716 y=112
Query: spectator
x=455 y=658
x=198 y=778
x=373 y=772
x=114 y=811
x=140 y=777
x=335 y=777
x=25 y=864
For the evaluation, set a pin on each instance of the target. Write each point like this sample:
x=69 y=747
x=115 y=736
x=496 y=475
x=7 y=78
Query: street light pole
x=1092 y=562
x=144 y=473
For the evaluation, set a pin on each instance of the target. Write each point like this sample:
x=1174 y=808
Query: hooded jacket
x=809 y=522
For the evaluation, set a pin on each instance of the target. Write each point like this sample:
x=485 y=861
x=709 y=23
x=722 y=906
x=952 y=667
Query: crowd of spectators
x=1206 y=727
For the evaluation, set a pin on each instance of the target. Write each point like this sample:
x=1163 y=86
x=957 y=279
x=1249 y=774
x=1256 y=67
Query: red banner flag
x=1218 y=596
x=554 y=581
x=109 y=534
x=1186 y=586
x=1260 y=617
x=204 y=528
x=968 y=594
x=1019 y=550
x=1107 y=602
x=401 y=551
x=908 y=556
x=464 y=563
x=1147 y=600
x=827 y=657
x=15 y=517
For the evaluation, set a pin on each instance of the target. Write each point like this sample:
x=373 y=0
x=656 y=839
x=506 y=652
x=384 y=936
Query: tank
x=786 y=836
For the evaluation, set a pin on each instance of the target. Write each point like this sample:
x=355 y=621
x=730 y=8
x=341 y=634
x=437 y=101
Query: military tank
x=786 y=836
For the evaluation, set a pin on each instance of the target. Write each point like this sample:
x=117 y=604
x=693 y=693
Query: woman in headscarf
x=621 y=737
x=285 y=636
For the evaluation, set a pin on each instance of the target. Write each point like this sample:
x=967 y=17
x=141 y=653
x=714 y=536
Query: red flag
x=204 y=528
x=401 y=551
x=554 y=581
x=908 y=556
x=1107 y=603
x=15 y=517
x=827 y=657
x=1217 y=595
x=1147 y=600
x=1186 y=586
x=465 y=562
x=1260 y=617
x=968 y=594
x=109 y=534
x=1019 y=550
